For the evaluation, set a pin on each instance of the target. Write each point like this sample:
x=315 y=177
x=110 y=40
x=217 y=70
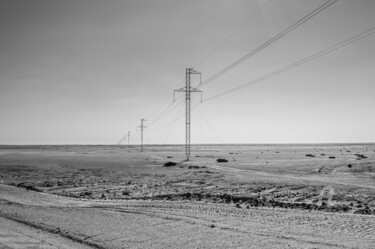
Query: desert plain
x=256 y=196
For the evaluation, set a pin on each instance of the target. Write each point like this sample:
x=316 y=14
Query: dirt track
x=145 y=224
x=19 y=236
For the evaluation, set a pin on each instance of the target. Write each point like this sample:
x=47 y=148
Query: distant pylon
x=188 y=89
x=142 y=126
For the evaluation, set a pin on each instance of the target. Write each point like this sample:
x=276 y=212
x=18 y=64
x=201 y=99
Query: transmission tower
x=142 y=127
x=188 y=89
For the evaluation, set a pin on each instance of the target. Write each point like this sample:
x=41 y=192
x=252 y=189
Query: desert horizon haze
x=86 y=72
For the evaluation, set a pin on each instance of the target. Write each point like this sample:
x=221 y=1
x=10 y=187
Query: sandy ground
x=265 y=196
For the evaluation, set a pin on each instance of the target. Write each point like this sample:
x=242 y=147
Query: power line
x=200 y=126
x=162 y=113
x=208 y=124
x=232 y=34
x=300 y=62
x=169 y=132
x=122 y=140
x=171 y=124
x=269 y=42
x=161 y=127
x=166 y=127
x=167 y=110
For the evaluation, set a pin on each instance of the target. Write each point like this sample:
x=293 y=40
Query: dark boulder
x=170 y=164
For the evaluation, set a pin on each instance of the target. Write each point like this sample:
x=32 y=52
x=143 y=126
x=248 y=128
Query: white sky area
x=86 y=72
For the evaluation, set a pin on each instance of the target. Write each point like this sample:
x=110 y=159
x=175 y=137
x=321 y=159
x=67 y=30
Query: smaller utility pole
x=142 y=126
x=128 y=138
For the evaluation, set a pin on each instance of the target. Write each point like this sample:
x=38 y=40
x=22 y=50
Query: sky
x=88 y=71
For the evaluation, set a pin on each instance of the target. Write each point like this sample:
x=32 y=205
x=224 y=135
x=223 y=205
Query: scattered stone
x=212 y=226
x=193 y=167
x=349 y=165
x=87 y=193
x=309 y=155
x=360 y=156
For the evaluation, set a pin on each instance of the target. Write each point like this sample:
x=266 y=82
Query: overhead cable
x=300 y=62
x=269 y=42
x=232 y=34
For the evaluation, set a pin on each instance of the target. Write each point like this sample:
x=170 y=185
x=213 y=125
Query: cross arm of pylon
x=182 y=89
x=192 y=71
x=192 y=89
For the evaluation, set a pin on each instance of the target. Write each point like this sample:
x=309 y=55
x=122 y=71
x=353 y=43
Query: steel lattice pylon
x=188 y=89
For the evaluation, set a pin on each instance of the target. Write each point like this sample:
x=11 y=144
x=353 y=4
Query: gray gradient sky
x=87 y=71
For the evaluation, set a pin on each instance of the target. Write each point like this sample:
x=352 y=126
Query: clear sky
x=86 y=72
